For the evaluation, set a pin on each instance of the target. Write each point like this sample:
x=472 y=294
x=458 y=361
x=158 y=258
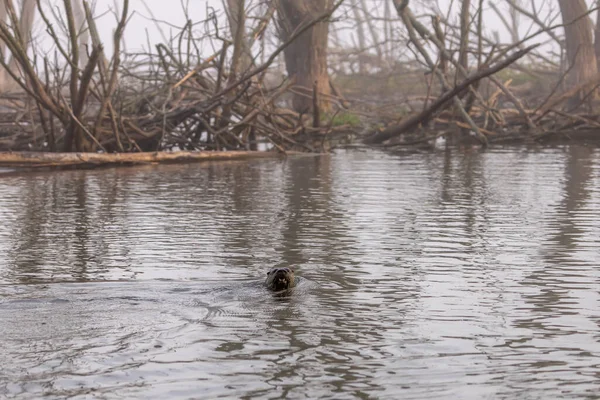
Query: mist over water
x=454 y=274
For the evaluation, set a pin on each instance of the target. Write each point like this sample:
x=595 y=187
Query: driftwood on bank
x=45 y=160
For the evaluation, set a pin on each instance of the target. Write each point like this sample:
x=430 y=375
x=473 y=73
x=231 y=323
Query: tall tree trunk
x=360 y=33
x=242 y=54
x=372 y=30
x=83 y=31
x=579 y=42
x=306 y=57
x=25 y=25
x=597 y=35
x=4 y=78
x=514 y=22
x=241 y=61
x=465 y=22
x=387 y=33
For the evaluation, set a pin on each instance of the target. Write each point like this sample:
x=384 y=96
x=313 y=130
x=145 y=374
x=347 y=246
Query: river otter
x=280 y=279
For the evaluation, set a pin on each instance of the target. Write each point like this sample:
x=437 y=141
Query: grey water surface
x=455 y=274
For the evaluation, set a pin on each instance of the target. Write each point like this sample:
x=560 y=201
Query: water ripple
x=455 y=274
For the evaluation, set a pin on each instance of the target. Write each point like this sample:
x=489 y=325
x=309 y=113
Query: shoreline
x=22 y=161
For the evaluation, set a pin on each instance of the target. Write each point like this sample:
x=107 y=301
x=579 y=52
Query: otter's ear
x=268 y=272
x=292 y=269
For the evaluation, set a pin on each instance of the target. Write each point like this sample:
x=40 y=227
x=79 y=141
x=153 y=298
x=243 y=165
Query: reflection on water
x=456 y=274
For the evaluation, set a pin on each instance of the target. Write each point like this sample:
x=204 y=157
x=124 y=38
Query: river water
x=451 y=274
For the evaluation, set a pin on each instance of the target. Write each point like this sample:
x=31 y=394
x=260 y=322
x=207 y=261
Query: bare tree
x=25 y=27
x=306 y=57
x=236 y=16
x=578 y=42
x=25 y=24
x=373 y=31
x=465 y=22
x=597 y=34
x=360 y=33
x=84 y=33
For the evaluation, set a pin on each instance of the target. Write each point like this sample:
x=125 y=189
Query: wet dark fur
x=280 y=279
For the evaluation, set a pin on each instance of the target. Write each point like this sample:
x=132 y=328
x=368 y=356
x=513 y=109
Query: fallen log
x=45 y=160
x=425 y=115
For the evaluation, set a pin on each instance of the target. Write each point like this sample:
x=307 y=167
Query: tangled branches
x=170 y=99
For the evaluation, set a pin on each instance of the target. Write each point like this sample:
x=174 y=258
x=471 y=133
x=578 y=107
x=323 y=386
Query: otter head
x=280 y=279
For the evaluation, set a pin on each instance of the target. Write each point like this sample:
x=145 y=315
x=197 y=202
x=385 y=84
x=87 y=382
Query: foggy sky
x=142 y=30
